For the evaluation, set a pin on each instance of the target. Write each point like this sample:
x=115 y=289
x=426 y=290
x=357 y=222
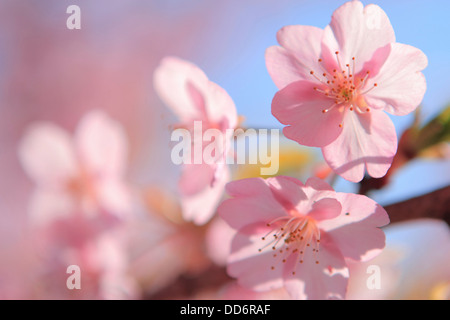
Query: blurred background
x=50 y=73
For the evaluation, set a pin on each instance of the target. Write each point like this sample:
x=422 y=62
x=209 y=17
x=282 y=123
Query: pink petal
x=358 y=31
x=47 y=155
x=201 y=206
x=186 y=90
x=252 y=201
x=115 y=198
x=233 y=291
x=171 y=80
x=356 y=231
x=374 y=65
x=197 y=99
x=401 y=85
x=293 y=180
x=287 y=191
x=297 y=56
x=101 y=145
x=317 y=190
x=318 y=184
x=219 y=237
x=195 y=178
x=47 y=206
x=326 y=280
x=325 y=209
x=220 y=107
x=282 y=66
x=253 y=268
x=301 y=107
x=368 y=140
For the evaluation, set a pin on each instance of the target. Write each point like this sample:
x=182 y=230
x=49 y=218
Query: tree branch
x=435 y=205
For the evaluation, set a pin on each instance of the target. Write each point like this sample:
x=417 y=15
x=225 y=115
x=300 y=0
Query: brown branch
x=435 y=205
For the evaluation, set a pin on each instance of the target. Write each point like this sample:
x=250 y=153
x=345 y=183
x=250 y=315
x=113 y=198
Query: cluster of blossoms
x=335 y=85
x=78 y=200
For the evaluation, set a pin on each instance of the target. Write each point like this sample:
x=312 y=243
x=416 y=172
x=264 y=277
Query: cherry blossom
x=297 y=236
x=79 y=175
x=79 y=199
x=186 y=90
x=336 y=83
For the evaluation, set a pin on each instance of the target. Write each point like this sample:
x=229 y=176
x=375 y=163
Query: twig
x=435 y=205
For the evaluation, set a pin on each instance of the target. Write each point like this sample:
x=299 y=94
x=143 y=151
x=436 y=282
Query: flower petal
x=401 y=85
x=195 y=178
x=171 y=81
x=356 y=231
x=218 y=241
x=325 y=209
x=316 y=190
x=201 y=206
x=358 y=31
x=220 y=107
x=318 y=184
x=253 y=268
x=301 y=107
x=115 y=198
x=101 y=145
x=48 y=206
x=297 y=56
x=287 y=191
x=368 y=140
x=47 y=155
x=252 y=201
x=326 y=280
x=191 y=96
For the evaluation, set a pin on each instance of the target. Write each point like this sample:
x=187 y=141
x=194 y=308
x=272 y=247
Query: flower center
x=344 y=87
x=292 y=235
x=82 y=187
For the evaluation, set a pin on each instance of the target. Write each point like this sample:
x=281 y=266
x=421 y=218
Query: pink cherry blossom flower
x=336 y=83
x=297 y=236
x=83 y=174
x=186 y=90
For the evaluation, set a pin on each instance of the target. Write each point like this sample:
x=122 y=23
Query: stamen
x=349 y=70
x=317 y=78
x=363 y=80
x=341 y=85
x=338 y=60
x=330 y=108
x=373 y=87
x=353 y=63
